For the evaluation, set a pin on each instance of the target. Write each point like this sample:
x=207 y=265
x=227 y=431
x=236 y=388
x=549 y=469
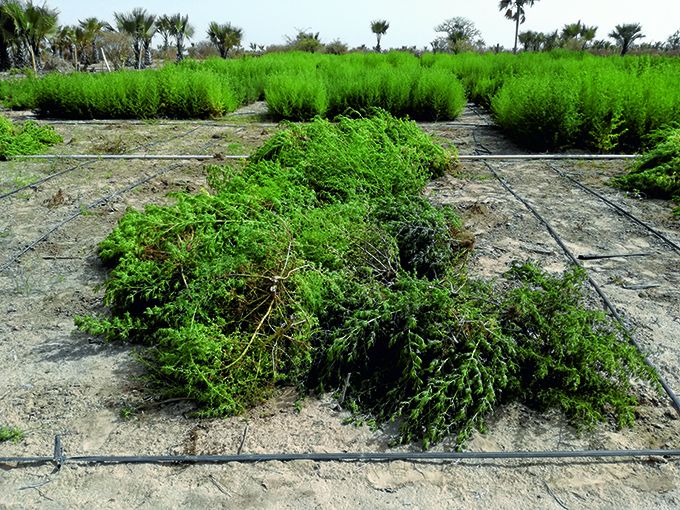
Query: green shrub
x=13 y=434
x=657 y=172
x=26 y=138
x=296 y=97
x=321 y=264
x=437 y=95
x=538 y=111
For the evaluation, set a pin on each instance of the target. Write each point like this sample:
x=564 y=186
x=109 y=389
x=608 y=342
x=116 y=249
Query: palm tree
x=514 y=10
x=224 y=37
x=579 y=33
x=8 y=38
x=64 y=43
x=92 y=28
x=626 y=34
x=141 y=26
x=180 y=29
x=164 y=28
x=379 y=27
x=33 y=24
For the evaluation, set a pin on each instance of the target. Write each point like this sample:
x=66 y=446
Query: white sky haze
x=411 y=22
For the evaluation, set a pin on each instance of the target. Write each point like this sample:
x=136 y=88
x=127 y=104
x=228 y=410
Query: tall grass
x=544 y=101
x=170 y=92
x=602 y=104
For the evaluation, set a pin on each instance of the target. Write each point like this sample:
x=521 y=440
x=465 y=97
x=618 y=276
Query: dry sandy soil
x=58 y=381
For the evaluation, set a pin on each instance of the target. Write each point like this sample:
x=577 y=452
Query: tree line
x=29 y=30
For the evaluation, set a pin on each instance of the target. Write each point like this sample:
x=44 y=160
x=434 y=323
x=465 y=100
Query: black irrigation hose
x=669 y=391
x=675 y=246
x=59 y=459
x=136 y=122
x=80 y=165
x=101 y=201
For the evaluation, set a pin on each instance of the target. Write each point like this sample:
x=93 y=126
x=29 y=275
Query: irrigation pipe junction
x=59 y=458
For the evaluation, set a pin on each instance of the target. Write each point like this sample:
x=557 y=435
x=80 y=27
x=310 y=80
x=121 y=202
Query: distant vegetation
x=544 y=101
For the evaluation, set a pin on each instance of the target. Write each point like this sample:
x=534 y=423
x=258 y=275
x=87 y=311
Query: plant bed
x=321 y=265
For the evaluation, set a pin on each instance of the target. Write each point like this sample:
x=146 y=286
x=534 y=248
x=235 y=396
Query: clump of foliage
x=13 y=434
x=213 y=284
x=25 y=138
x=657 y=172
x=296 y=97
x=568 y=356
x=171 y=92
x=321 y=264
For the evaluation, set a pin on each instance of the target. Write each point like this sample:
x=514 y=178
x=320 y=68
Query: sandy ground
x=58 y=381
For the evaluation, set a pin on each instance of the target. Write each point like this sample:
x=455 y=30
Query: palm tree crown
x=32 y=24
x=514 y=10
x=180 y=29
x=224 y=37
x=626 y=34
x=141 y=26
x=379 y=27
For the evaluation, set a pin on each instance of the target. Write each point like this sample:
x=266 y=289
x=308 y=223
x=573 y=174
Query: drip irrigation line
x=462 y=157
x=73 y=216
x=101 y=201
x=80 y=165
x=44 y=179
x=130 y=156
x=546 y=157
x=675 y=246
x=59 y=458
x=605 y=299
x=136 y=122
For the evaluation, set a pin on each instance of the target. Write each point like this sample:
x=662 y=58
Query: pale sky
x=412 y=22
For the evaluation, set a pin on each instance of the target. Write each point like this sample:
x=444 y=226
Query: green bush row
x=321 y=264
x=602 y=109
x=544 y=101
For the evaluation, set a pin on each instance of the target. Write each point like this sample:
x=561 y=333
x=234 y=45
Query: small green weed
x=127 y=412
x=11 y=434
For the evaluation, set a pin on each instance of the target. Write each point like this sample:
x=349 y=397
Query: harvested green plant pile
x=320 y=264
x=26 y=138
x=657 y=172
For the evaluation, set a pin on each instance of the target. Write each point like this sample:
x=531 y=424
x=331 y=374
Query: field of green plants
x=543 y=101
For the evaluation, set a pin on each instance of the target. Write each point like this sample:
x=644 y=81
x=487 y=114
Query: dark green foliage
x=25 y=138
x=657 y=172
x=427 y=353
x=321 y=264
x=567 y=356
x=211 y=283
